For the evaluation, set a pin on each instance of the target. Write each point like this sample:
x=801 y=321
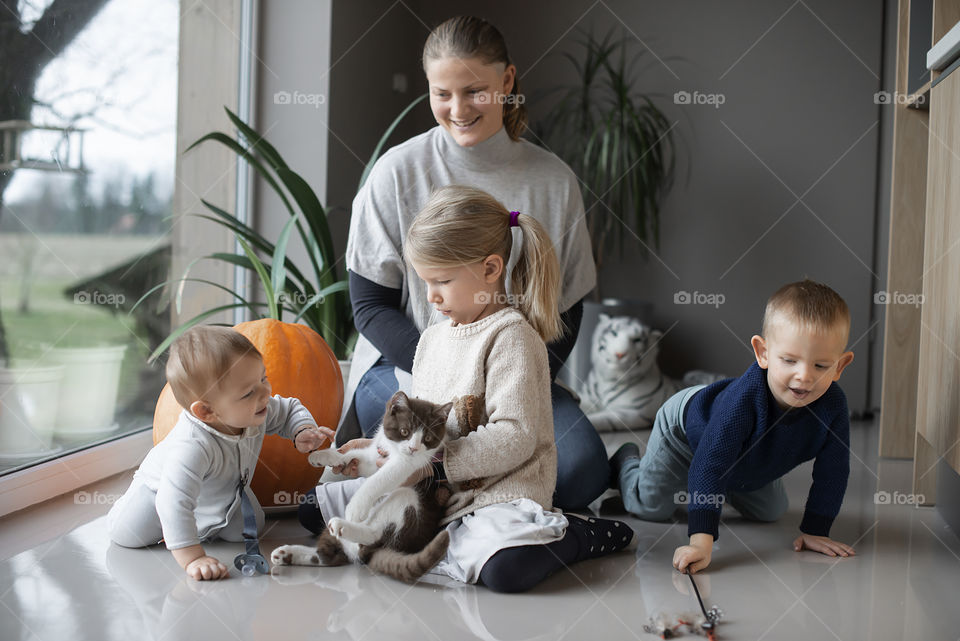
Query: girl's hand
x=206 y=568
x=311 y=439
x=696 y=556
x=351 y=468
x=823 y=545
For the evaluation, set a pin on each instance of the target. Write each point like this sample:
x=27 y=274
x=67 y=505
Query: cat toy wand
x=709 y=625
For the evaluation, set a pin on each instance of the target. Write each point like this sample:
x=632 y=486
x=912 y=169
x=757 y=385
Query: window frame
x=216 y=46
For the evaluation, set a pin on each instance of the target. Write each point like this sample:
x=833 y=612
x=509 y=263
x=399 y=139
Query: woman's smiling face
x=467 y=96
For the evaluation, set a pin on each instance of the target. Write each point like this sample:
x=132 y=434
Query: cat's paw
x=325 y=458
x=336 y=527
x=294 y=555
x=283 y=555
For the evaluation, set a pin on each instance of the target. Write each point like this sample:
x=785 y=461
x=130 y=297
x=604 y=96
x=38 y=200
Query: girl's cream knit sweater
x=513 y=456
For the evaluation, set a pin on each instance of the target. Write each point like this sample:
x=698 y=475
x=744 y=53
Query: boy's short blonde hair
x=199 y=359
x=811 y=305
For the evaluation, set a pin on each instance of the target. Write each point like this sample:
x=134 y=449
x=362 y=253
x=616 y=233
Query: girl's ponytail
x=536 y=280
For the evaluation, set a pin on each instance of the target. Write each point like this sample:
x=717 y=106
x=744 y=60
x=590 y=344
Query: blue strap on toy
x=252 y=562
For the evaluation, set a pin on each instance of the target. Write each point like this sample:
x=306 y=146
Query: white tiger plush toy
x=625 y=387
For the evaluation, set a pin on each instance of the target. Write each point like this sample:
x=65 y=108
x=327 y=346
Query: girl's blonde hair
x=463 y=225
x=201 y=357
x=471 y=37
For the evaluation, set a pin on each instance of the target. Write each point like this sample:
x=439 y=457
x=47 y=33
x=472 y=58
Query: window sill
x=19 y=490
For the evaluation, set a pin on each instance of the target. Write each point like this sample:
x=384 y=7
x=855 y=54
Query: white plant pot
x=88 y=393
x=29 y=396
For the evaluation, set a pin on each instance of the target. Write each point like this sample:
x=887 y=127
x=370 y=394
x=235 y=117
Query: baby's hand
x=206 y=568
x=823 y=545
x=312 y=438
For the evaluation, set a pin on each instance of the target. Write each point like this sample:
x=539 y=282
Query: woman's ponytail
x=515 y=112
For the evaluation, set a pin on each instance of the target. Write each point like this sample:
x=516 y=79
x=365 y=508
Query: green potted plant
x=316 y=296
x=622 y=147
x=616 y=140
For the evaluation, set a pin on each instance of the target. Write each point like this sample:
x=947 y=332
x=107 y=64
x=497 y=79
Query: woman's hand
x=312 y=438
x=351 y=469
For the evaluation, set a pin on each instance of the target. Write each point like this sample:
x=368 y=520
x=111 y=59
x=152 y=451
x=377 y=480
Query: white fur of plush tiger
x=625 y=387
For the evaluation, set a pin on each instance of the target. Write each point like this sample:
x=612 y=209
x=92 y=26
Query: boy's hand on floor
x=696 y=556
x=206 y=568
x=823 y=545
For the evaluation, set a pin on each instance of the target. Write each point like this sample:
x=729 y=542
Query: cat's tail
x=410 y=567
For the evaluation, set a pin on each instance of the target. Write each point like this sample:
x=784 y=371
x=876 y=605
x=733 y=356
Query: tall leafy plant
x=316 y=295
x=616 y=140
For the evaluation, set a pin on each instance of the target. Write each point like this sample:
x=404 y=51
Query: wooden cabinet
x=920 y=404
x=938 y=389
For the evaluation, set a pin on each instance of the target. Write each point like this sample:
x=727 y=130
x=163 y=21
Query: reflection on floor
x=60 y=578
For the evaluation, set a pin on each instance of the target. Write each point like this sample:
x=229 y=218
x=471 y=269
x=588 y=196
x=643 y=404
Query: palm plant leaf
x=616 y=139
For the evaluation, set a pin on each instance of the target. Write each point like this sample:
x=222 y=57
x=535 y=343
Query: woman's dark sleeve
x=559 y=350
x=378 y=316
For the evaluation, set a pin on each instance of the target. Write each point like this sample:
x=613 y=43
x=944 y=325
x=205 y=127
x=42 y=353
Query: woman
x=480 y=116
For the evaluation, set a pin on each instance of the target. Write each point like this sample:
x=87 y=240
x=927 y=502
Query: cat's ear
x=444 y=410
x=398 y=401
x=604 y=317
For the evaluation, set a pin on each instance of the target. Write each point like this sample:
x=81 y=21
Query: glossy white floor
x=60 y=578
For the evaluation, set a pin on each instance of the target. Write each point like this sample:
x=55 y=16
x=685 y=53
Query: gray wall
x=292 y=57
x=798 y=115
x=372 y=41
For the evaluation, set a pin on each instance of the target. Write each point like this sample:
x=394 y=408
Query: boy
x=188 y=487
x=734 y=440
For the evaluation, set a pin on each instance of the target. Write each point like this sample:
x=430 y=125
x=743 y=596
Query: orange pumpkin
x=299 y=364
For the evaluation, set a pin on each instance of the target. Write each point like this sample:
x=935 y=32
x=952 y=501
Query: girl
x=480 y=116
x=502 y=529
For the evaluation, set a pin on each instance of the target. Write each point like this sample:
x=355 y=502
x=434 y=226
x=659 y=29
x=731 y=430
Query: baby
x=734 y=440
x=187 y=489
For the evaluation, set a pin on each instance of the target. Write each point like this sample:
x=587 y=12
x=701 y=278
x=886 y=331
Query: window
x=88 y=101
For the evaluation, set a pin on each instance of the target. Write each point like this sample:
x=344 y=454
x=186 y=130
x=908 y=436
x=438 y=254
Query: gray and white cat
x=392 y=528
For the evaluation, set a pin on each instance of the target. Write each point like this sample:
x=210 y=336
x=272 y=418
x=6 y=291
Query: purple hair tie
x=513 y=218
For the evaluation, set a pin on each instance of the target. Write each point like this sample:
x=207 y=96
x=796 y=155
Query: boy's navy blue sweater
x=742 y=440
